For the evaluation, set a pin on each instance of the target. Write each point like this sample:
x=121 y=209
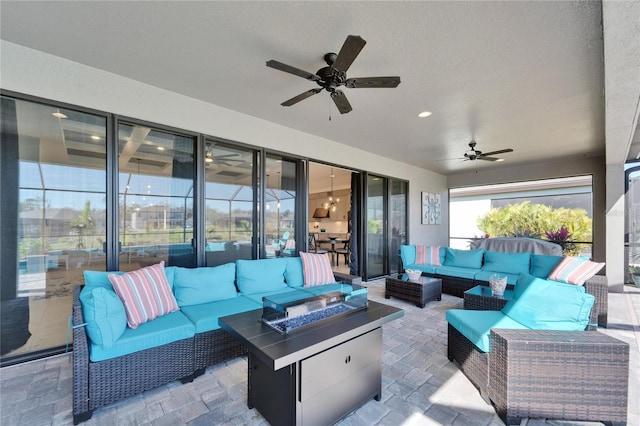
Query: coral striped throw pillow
x=576 y=271
x=428 y=255
x=145 y=294
x=316 y=269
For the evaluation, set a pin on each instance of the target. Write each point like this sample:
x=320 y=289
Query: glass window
x=280 y=207
x=156 y=197
x=229 y=194
x=53 y=189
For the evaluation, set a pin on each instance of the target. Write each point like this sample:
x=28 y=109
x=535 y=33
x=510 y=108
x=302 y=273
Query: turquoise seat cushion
x=104 y=315
x=293 y=274
x=476 y=325
x=261 y=275
x=486 y=275
x=202 y=285
x=455 y=271
x=542 y=264
x=205 y=316
x=100 y=278
x=463 y=258
x=429 y=269
x=279 y=296
x=548 y=305
x=408 y=255
x=507 y=263
x=160 y=331
x=328 y=288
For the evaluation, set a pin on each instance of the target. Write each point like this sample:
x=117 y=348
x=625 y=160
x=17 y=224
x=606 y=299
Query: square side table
x=420 y=291
x=479 y=298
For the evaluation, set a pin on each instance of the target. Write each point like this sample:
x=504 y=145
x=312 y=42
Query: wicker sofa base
x=560 y=375
x=215 y=346
x=472 y=362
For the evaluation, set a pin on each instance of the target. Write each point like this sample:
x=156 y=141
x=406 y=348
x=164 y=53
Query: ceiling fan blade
x=365 y=82
x=341 y=101
x=292 y=70
x=455 y=158
x=301 y=96
x=348 y=53
x=502 y=151
x=482 y=157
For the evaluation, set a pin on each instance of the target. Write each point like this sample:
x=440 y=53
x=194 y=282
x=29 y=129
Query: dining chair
x=313 y=246
x=346 y=251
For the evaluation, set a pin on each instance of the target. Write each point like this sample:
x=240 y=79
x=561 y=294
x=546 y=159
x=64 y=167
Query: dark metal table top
x=280 y=350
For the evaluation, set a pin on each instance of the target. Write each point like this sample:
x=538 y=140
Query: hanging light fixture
x=332 y=202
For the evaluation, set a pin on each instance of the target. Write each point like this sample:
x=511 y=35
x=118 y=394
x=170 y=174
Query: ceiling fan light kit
x=334 y=75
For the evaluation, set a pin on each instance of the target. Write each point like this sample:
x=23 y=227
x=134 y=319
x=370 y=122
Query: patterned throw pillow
x=290 y=244
x=576 y=271
x=145 y=294
x=428 y=255
x=316 y=269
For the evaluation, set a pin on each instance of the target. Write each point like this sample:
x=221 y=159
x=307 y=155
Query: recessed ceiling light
x=95 y=137
x=58 y=114
x=499 y=160
x=424 y=114
x=161 y=148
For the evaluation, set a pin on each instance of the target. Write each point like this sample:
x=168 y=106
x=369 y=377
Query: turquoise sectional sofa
x=461 y=270
x=112 y=361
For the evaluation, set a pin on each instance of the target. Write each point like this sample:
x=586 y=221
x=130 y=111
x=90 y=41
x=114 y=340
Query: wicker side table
x=420 y=291
x=570 y=375
x=480 y=298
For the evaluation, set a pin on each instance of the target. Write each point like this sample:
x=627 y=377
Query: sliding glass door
x=156 y=197
x=230 y=198
x=375 y=225
x=52 y=192
x=385 y=224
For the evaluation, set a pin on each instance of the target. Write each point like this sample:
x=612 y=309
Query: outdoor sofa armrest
x=354 y=280
x=80 y=361
x=599 y=287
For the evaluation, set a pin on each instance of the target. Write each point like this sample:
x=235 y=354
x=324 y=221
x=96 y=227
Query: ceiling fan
x=334 y=75
x=474 y=154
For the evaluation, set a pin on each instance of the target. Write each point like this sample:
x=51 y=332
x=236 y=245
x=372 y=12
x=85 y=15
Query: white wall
x=39 y=74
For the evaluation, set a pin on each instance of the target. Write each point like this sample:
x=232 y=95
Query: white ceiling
x=521 y=75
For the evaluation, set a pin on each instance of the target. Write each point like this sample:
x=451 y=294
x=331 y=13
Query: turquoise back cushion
x=463 y=258
x=293 y=272
x=261 y=275
x=408 y=255
x=542 y=264
x=202 y=285
x=103 y=314
x=100 y=279
x=509 y=263
x=548 y=305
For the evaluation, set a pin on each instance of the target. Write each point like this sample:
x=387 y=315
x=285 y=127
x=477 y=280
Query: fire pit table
x=312 y=372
